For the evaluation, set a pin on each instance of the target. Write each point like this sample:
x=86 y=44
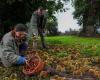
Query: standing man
x=37 y=24
x=12 y=45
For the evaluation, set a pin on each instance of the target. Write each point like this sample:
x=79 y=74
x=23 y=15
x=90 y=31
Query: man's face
x=20 y=35
x=40 y=12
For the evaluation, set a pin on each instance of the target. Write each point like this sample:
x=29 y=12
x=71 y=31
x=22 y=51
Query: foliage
x=14 y=11
x=83 y=6
x=52 y=26
x=87 y=13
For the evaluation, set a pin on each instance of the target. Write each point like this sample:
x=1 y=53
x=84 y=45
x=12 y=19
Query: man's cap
x=20 y=27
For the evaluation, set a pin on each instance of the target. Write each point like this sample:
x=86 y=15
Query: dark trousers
x=41 y=33
x=1 y=65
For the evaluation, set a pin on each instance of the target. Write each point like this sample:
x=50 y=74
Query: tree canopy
x=87 y=13
x=20 y=11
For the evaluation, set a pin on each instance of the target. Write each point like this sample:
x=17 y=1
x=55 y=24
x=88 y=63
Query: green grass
x=88 y=46
x=72 y=40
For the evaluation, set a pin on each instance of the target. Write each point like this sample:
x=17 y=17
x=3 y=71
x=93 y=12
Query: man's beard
x=19 y=41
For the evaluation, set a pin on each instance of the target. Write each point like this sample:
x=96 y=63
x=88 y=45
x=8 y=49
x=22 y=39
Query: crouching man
x=12 y=45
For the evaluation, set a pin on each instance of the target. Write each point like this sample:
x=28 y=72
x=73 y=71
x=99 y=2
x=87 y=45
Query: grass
x=70 y=44
x=72 y=40
x=88 y=46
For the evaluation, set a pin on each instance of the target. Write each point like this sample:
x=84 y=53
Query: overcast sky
x=66 y=21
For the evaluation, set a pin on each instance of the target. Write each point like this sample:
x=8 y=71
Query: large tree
x=15 y=11
x=88 y=14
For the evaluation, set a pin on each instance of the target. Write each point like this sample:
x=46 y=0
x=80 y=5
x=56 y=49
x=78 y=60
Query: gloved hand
x=21 y=60
x=23 y=47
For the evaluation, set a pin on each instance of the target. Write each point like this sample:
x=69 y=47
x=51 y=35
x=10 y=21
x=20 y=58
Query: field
x=67 y=58
x=87 y=46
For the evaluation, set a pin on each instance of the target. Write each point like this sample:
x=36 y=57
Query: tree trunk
x=89 y=21
x=1 y=29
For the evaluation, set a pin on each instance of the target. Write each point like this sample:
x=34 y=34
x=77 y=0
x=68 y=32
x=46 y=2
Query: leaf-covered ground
x=62 y=62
